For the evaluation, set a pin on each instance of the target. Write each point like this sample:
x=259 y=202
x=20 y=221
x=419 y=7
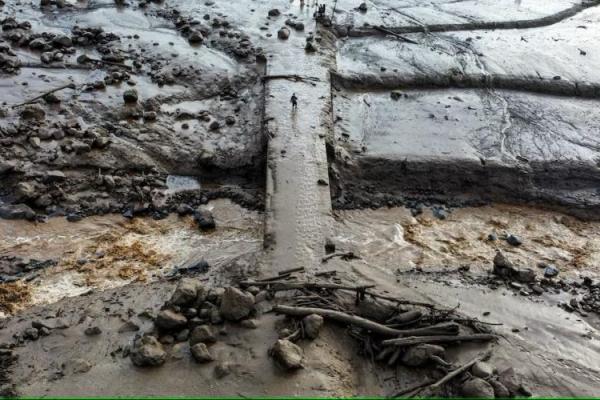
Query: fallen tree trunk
x=418 y=339
x=278 y=286
x=30 y=101
x=448 y=328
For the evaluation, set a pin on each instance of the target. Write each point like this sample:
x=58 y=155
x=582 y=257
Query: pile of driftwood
x=389 y=330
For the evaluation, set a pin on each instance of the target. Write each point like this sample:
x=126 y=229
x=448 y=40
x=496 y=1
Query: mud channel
x=424 y=223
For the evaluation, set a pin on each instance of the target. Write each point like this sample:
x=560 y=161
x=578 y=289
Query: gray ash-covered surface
x=155 y=110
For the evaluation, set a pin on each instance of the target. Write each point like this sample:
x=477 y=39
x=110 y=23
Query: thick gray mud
x=134 y=120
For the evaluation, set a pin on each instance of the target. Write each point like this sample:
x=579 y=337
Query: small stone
x=31 y=334
x=283 y=33
x=312 y=325
x=274 y=12
x=202 y=334
x=214 y=125
x=130 y=96
x=148 y=352
x=62 y=41
x=33 y=111
x=416 y=356
x=129 y=326
x=92 y=330
x=249 y=324
x=537 y=289
x=76 y=366
x=236 y=304
x=514 y=240
x=200 y=353
x=362 y=7
x=477 y=387
x=204 y=219
x=551 y=271
x=170 y=320
x=287 y=355
x=526 y=275
x=502 y=266
x=196 y=37
x=222 y=370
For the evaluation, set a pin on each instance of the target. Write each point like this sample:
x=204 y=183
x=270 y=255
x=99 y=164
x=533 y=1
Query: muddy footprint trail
x=423 y=223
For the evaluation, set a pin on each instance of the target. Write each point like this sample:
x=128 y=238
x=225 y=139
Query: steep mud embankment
x=124 y=97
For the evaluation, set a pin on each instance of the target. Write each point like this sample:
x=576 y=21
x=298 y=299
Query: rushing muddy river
x=110 y=251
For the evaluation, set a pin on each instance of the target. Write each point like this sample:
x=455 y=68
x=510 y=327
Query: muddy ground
x=445 y=153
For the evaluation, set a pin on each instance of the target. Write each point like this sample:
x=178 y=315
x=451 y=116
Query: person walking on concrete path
x=294 y=101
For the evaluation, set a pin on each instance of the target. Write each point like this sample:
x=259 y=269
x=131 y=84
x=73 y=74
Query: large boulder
x=236 y=304
x=170 y=320
x=287 y=355
x=148 y=352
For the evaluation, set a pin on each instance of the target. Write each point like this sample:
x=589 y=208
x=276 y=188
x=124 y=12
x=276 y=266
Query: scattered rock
x=129 y=326
x=170 y=320
x=362 y=7
x=204 y=219
x=130 y=96
x=76 y=366
x=236 y=304
x=482 y=370
x=551 y=271
x=92 y=330
x=502 y=266
x=249 y=324
x=312 y=325
x=288 y=355
x=477 y=387
x=16 y=211
x=202 y=334
x=274 y=12
x=514 y=240
x=186 y=292
x=419 y=355
x=200 y=353
x=148 y=352
x=283 y=33
x=33 y=112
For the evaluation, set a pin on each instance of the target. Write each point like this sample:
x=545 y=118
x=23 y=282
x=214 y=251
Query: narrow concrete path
x=298 y=201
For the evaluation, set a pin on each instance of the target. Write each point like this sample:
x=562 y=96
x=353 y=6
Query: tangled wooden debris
x=393 y=332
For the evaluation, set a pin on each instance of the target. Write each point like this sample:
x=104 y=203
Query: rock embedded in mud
x=514 y=240
x=550 y=271
x=76 y=366
x=287 y=355
x=236 y=304
x=362 y=7
x=92 y=331
x=500 y=391
x=202 y=334
x=312 y=325
x=283 y=33
x=274 y=12
x=482 y=370
x=502 y=266
x=170 y=320
x=525 y=275
x=196 y=37
x=130 y=96
x=31 y=334
x=147 y=352
x=477 y=387
x=200 y=353
x=62 y=41
x=204 y=219
x=33 y=112
x=419 y=355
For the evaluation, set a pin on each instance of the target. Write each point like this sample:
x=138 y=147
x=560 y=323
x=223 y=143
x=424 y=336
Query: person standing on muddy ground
x=294 y=101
